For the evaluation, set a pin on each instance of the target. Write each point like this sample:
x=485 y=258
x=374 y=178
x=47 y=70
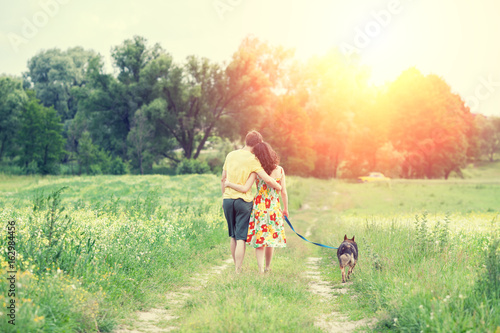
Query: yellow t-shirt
x=239 y=165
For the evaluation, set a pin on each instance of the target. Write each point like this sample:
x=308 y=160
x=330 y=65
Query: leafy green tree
x=108 y=104
x=39 y=138
x=105 y=112
x=74 y=130
x=189 y=96
x=140 y=142
x=87 y=153
x=201 y=98
x=54 y=74
x=94 y=160
x=12 y=101
x=132 y=56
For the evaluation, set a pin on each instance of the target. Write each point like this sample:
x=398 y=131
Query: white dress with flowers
x=266 y=222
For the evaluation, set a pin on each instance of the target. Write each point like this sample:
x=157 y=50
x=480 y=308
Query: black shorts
x=237 y=212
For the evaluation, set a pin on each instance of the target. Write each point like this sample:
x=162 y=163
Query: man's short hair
x=253 y=138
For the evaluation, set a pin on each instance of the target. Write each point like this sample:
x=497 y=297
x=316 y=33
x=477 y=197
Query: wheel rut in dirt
x=160 y=320
x=326 y=292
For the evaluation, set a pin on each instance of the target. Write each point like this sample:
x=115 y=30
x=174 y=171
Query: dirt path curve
x=333 y=322
x=159 y=320
x=326 y=291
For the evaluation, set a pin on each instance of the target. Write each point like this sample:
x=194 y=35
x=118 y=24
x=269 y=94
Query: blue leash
x=328 y=247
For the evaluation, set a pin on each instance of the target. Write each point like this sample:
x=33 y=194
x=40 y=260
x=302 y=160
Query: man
x=238 y=206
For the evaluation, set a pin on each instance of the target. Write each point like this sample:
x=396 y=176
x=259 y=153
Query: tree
x=54 y=74
x=140 y=141
x=195 y=100
x=368 y=133
x=107 y=103
x=336 y=91
x=39 y=138
x=389 y=160
x=489 y=136
x=361 y=148
x=430 y=124
x=87 y=153
x=106 y=110
x=132 y=56
x=12 y=101
x=288 y=129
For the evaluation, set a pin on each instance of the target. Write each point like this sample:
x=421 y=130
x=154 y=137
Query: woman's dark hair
x=253 y=137
x=267 y=156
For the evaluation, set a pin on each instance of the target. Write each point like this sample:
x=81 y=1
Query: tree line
x=67 y=115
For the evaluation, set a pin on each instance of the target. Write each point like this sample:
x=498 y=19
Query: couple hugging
x=256 y=221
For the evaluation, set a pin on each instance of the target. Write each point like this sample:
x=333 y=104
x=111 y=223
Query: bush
x=161 y=170
x=31 y=168
x=190 y=166
x=215 y=165
x=489 y=282
x=12 y=170
x=118 y=167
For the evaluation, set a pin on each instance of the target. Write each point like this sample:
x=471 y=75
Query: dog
x=347 y=253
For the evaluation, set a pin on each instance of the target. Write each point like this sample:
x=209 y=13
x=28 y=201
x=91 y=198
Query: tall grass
x=87 y=261
x=94 y=249
x=430 y=272
x=426 y=281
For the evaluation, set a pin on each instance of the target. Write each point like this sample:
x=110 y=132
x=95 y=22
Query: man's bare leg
x=239 y=254
x=233 y=249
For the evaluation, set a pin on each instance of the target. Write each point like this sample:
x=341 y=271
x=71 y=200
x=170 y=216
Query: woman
x=266 y=229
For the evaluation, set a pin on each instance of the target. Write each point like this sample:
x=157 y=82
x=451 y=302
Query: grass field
x=94 y=250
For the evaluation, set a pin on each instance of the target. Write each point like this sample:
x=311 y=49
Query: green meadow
x=94 y=250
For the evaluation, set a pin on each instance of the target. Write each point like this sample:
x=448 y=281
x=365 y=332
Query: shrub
x=118 y=167
x=190 y=166
x=215 y=164
x=31 y=168
x=489 y=282
x=12 y=170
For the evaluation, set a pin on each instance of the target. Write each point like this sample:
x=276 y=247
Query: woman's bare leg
x=269 y=257
x=259 y=253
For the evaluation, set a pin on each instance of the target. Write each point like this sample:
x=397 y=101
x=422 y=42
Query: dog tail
x=347 y=259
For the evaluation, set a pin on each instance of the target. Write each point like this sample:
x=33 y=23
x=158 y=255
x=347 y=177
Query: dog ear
x=345 y=237
x=353 y=238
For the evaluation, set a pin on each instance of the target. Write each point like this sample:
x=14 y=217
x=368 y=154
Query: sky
x=454 y=39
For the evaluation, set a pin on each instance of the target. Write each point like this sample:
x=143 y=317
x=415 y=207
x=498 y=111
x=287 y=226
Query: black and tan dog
x=347 y=253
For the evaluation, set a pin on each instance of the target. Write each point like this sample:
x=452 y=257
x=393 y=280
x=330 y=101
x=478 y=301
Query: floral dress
x=266 y=222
